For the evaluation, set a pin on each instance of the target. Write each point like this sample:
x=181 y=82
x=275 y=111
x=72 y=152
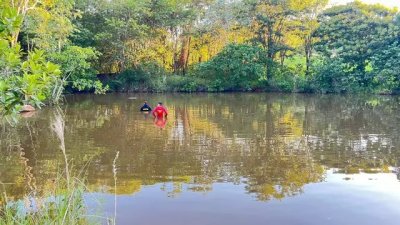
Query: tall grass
x=61 y=203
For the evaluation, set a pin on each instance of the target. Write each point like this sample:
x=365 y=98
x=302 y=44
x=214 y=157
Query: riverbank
x=135 y=81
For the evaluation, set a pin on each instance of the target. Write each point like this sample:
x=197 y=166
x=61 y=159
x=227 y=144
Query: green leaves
x=77 y=66
x=27 y=77
x=9 y=21
x=355 y=40
x=38 y=79
x=31 y=81
x=48 y=25
x=9 y=58
x=237 y=67
x=89 y=85
x=75 y=61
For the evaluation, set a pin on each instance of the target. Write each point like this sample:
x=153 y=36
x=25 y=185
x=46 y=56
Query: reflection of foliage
x=29 y=160
x=127 y=187
x=173 y=189
x=284 y=177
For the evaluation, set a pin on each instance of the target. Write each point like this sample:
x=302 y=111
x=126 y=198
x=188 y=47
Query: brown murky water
x=219 y=158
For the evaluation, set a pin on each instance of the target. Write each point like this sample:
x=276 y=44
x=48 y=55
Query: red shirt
x=160 y=111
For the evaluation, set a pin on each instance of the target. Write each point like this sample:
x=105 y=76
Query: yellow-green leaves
x=10 y=21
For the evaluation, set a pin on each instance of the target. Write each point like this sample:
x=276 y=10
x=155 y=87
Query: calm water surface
x=218 y=158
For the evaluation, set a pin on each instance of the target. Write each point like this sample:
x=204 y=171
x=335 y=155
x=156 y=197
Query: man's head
x=145 y=102
x=160 y=103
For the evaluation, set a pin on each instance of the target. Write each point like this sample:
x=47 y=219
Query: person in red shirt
x=160 y=111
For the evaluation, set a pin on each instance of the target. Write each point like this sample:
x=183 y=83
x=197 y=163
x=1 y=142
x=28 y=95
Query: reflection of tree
x=281 y=174
x=356 y=136
x=30 y=160
x=16 y=167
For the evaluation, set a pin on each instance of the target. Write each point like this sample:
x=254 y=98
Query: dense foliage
x=354 y=42
x=37 y=59
x=57 y=46
x=236 y=67
x=24 y=80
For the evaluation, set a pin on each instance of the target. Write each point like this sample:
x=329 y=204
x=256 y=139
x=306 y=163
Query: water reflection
x=160 y=122
x=269 y=145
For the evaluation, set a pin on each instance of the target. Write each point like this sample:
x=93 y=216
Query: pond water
x=218 y=158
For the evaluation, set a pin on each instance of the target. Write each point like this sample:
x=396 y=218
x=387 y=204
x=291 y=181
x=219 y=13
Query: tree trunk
x=270 y=50
x=187 y=56
x=184 y=55
x=308 y=53
x=282 y=57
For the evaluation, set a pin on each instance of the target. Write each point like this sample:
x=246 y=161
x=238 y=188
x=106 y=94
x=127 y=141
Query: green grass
x=61 y=203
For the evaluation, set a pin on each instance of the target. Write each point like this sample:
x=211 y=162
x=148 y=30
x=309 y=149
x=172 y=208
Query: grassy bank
x=61 y=202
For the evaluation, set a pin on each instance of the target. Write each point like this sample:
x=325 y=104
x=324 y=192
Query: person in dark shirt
x=145 y=107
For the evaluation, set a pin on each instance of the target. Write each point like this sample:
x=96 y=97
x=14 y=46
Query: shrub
x=283 y=79
x=235 y=68
x=77 y=66
x=185 y=83
x=144 y=77
x=32 y=82
x=330 y=77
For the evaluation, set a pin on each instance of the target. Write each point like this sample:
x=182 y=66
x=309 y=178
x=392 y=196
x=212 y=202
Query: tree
x=351 y=33
x=49 y=26
x=384 y=62
x=267 y=18
x=276 y=23
x=308 y=24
